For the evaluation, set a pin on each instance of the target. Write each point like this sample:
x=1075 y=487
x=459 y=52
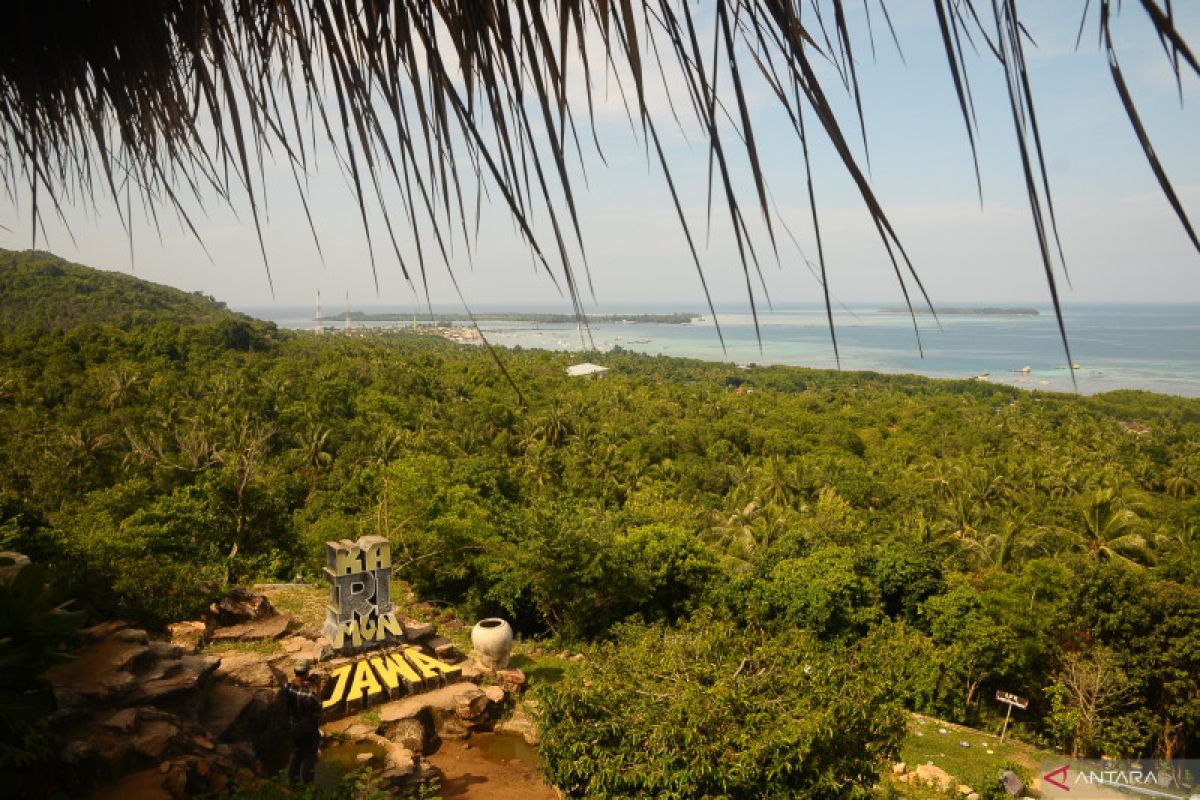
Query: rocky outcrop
x=136 y=715
x=241 y=606
x=148 y=718
x=252 y=631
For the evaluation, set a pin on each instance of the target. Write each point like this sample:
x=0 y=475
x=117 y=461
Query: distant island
x=986 y=311
x=514 y=316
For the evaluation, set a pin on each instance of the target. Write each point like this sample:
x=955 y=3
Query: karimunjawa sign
x=360 y=613
x=360 y=616
x=385 y=676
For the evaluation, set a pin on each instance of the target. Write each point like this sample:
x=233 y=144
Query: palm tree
x=313 y=447
x=119 y=386
x=1111 y=530
x=147 y=97
x=1180 y=486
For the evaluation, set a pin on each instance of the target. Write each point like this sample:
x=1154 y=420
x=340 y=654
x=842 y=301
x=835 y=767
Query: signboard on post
x=1010 y=700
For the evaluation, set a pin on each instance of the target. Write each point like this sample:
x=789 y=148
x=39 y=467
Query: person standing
x=302 y=696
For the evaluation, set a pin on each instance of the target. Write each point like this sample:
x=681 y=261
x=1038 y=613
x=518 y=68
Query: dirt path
x=477 y=770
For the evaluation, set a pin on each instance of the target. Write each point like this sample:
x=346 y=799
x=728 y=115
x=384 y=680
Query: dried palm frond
x=168 y=100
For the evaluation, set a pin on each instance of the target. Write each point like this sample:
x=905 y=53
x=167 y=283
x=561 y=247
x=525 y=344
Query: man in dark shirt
x=302 y=696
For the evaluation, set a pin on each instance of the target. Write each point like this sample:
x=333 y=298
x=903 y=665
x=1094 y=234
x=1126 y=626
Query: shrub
x=711 y=709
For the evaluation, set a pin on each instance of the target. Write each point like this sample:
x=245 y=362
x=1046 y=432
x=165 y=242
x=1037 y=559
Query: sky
x=1121 y=241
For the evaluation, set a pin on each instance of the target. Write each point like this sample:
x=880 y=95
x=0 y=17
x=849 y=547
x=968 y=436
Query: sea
x=1115 y=346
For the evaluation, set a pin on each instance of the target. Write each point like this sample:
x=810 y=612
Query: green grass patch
x=539 y=669
x=268 y=647
x=306 y=604
x=974 y=765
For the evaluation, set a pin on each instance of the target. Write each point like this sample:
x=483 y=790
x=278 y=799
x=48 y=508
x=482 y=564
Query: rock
x=1012 y=783
x=77 y=752
x=247 y=669
x=471 y=703
x=100 y=673
x=359 y=731
x=166 y=649
x=905 y=778
x=409 y=733
x=495 y=694
x=363 y=758
x=129 y=656
x=175 y=781
x=203 y=666
x=223 y=706
x=449 y=725
x=963 y=789
x=474 y=672
x=242 y=605
x=964 y=743
x=157 y=691
x=257 y=630
x=188 y=635
x=162 y=669
x=412 y=706
x=124 y=720
x=154 y=738
x=899 y=768
x=512 y=679
x=294 y=644
x=934 y=776
x=577 y=657
x=314 y=649
x=10 y=564
x=397 y=758
x=973 y=796
x=102 y=631
x=443 y=648
x=415 y=631
x=136 y=635
x=519 y=723
x=205 y=743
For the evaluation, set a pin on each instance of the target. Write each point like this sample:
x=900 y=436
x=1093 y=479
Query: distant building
x=586 y=370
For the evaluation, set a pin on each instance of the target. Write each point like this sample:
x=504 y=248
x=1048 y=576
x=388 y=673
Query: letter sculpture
x=360 y=613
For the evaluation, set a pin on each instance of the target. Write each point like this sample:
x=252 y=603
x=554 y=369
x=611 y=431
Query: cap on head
x=303 y=665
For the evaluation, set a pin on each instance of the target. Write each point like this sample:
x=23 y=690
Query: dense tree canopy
x=958 y=537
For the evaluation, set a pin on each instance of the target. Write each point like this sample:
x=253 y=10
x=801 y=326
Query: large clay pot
x=492 y=639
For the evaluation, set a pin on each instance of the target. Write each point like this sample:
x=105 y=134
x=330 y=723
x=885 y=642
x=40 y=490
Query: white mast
x=317 y=326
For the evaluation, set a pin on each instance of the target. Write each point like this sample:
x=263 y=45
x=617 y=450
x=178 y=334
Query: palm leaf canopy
x=168 y=101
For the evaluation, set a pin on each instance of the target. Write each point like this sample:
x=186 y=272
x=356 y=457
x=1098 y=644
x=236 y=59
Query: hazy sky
x=1121 y=240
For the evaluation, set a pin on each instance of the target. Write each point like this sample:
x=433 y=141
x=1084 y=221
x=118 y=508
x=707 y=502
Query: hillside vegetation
x=754 y=576
x=41 y=290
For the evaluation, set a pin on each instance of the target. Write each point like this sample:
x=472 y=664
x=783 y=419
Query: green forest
x=764 y=581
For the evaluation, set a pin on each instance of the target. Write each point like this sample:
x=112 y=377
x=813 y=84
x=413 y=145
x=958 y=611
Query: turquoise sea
x=1151 y=347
